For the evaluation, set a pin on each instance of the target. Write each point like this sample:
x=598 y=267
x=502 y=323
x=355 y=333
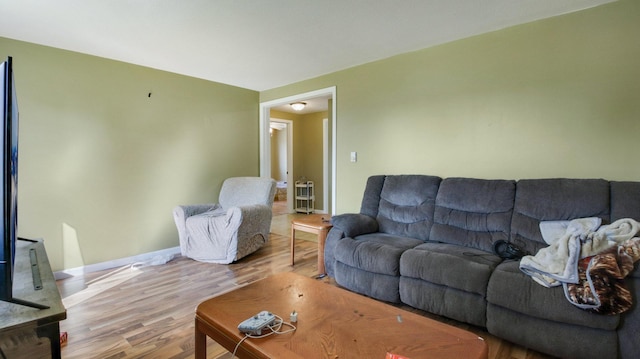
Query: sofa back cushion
x=625 y=200
x=555 y=199
x=406 y=204
x=473 y=212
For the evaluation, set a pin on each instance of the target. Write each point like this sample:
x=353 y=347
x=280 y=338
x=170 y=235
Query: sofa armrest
x=354 y=224
x=345 y=225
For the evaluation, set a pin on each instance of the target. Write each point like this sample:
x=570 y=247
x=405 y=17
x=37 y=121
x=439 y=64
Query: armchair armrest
x=186 y=211
x=255 y=219
x=354 y=224
x=251 y=225
x=180 y=215
x=255 y=210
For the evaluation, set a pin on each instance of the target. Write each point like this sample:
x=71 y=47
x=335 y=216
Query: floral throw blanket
x=601 y=288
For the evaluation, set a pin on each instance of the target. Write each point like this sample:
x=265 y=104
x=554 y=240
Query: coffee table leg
x=201 y=343
x=293 y=239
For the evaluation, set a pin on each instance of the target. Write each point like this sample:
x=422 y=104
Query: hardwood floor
x=148 y=311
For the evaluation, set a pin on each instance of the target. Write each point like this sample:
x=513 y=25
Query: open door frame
x=265 y=143
x=289 y=155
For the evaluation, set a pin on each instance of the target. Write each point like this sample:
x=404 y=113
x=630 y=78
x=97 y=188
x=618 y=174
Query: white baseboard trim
x=151 y=258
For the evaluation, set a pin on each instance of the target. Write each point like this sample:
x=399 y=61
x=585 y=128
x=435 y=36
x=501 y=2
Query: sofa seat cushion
x=375 y=285
x=556 y=338
x=375 y=252
x=463 y=268
x=512 y=289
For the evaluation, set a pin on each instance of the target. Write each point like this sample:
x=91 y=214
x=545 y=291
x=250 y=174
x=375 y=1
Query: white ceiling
x=262 y=44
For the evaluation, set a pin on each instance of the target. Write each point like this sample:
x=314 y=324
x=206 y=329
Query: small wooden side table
x=319 y=224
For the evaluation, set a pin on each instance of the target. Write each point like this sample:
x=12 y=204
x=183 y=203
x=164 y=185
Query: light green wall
x=553 y=98
x=102 y=164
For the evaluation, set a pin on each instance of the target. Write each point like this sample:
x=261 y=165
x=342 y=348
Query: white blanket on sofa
x=583 y=237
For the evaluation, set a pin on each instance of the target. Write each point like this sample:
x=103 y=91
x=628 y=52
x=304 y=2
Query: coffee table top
x=334 y=323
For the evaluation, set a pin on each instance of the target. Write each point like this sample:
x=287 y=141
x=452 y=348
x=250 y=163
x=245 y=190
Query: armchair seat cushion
x=205 y=216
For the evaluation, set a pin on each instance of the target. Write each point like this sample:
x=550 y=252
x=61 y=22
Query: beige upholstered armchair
x=233 y=228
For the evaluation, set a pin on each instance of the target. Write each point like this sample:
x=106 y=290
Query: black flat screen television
x=9 y=193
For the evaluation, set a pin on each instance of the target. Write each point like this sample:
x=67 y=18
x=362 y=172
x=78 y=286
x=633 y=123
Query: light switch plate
x=354 y=156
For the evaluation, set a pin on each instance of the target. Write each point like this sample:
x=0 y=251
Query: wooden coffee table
x=319 y=224
x=332 y=323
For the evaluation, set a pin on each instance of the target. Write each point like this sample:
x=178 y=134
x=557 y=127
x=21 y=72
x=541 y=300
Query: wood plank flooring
x=148 y=311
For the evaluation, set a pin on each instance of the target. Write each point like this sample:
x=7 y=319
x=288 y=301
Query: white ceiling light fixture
x=298 y=106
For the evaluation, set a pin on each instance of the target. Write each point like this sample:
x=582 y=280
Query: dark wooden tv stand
x=23 y=329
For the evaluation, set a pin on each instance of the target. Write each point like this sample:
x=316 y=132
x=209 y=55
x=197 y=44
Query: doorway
x=281 y=133
x=328 y=148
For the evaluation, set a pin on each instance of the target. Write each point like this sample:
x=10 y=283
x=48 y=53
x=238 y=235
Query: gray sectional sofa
x=428 y=242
